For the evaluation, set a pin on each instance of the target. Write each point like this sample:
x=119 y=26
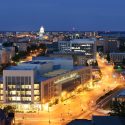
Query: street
x=82 y=105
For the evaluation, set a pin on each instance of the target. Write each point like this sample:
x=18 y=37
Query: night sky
x=58 y=15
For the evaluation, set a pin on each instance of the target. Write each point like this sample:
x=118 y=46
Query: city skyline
x=81 y=15
x=62 y=62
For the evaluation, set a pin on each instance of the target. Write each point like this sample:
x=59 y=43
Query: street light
x=62 y=119
x=49 y=115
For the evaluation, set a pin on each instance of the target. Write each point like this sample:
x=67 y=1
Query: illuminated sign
x=67 y=77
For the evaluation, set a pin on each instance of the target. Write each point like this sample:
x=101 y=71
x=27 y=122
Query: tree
x=122 y=44
x=108 y=57
x=117 y=108
x=16 y=58
x=123 y=61
x=56 y=101
x=42 y=46
x=9 y=109
x=7 y=44
x=19 y=56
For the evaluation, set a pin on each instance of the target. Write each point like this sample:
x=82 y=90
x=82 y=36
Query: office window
x=22 y=80
x=13 y=80
x=9 y=80
x=18 y=80
x=26 y=80
x=29 y=80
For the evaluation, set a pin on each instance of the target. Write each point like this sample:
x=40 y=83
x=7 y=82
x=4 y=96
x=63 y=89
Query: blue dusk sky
x=62 y=15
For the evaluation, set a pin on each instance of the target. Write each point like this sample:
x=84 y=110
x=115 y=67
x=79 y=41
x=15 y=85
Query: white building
x=18 y=85
x=41 y=32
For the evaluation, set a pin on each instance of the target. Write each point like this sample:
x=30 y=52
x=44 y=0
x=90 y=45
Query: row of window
x=18 y=80
x=36 y=86
x=19 y=98
x=36 y=98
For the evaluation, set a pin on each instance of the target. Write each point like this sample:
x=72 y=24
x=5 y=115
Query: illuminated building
x=41 y=32
x=120 y=97
x=82 y=49
x=91 y=34
x=78 y=46
x=1 y=90
x=19 y=85
x=60 y=81
x=20 y=82
x=35 y=81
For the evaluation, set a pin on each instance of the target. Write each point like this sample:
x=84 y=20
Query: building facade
x=6 y=54
x=19 y=86
x=67 y=81
x=1 y=90
x=26 y=86
x=86 y=47
x=117 y=57
x=82 y=50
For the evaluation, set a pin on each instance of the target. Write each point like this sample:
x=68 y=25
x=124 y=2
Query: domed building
x=41 y=32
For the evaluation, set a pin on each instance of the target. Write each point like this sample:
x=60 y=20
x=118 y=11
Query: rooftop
x=55 y=73
x=35 y=62
x=121 y=94
x=100 y=120
x=80 y=122
x=118 y=53
x=49 y=58
x=107 y=120
x=85 y=40
x=20 y=68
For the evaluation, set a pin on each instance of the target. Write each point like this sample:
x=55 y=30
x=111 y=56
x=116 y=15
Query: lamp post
x=61 y=119
x=49 y=114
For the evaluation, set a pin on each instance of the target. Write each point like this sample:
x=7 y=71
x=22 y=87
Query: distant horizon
x=106 y=31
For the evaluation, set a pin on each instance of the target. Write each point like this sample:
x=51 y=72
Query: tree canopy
x=117 y=108
x=9 y=109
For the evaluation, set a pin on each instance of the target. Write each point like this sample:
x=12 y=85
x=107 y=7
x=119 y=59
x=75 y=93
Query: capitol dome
x=41 y=30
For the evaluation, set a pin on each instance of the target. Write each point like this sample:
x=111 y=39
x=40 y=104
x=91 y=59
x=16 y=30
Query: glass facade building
x=19 y=86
